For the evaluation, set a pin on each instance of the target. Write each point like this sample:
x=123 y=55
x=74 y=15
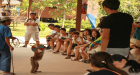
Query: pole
x=79 y=15
x=0 y=6
x=30 y=3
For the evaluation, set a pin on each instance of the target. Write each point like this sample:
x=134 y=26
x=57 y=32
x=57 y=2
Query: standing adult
x=117 y=28
x=32 y=29
x=5 y=47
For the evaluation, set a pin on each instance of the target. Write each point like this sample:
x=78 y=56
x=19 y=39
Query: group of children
x=73 y=44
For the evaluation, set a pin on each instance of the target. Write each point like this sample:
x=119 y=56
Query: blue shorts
x=5 y=60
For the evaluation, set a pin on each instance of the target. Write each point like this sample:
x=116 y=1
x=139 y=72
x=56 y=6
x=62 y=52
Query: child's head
x=57 y=28
x=95 y=34
x=72 y=30
x=75 y=34
x=63 y=31
x=87 y=32
x=51 y=26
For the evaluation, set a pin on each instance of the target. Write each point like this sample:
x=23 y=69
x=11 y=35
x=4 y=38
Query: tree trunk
x=64 y=16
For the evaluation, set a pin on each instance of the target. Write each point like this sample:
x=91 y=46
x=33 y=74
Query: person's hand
x=94 y=43
x=89 y=49
x=11 y=48
x=13 y=38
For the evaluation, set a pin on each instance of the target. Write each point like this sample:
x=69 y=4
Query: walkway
x=51 y=64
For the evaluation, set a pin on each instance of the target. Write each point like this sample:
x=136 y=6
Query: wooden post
x=30 y=4
x=79 y=15
x=0 y=6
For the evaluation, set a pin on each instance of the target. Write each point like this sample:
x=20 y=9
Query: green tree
x=39 y=6
x=131 y=7
x=24 y=7
x=64 y=8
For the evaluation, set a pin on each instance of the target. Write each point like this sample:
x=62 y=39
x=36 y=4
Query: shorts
x=5 y=60
x=34 y=35
x=120 y=51
x=74 y=45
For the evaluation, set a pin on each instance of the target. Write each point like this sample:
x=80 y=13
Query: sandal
x=67 y=57
x=86 y=61
x=72 y=55
x=81 y=60
x=74 y=59
x=56 y=52
x=64 y=53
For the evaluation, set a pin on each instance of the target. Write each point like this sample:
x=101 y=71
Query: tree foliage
x=64 y=8
x=131 y=7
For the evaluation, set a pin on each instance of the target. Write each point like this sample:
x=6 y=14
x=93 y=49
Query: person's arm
x=76 y=42
x=105 y=39
x=58 y=35
x=133 y=30
x=53 y=35
x=7 y=39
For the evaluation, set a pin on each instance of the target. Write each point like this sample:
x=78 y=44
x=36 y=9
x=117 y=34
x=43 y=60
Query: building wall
x=45 y=13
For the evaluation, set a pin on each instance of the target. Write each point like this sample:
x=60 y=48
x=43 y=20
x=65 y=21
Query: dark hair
x=103 y=59
x=89 y=30
x=33 y=13
x=63 y=29
x=75 y=33
x=98 y=35
x=50 y=25
x=135 y=66
x=56 y=26
x=111 y=4
x=99 y=25
x=2 y=21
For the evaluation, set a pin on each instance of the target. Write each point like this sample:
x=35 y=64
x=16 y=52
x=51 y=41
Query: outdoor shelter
x=78 y=16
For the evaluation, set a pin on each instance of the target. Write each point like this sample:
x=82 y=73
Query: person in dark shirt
x=117 y=28
x=102 y=64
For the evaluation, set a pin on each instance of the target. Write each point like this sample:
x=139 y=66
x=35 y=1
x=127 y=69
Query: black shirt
x=120 y=25
x=102 y=72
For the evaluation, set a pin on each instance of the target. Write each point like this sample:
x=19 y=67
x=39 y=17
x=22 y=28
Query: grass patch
x=20 y=30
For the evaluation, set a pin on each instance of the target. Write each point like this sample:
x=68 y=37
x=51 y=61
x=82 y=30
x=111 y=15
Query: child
x=75 y=41
x=38 y=54
x=135 y=44
x=67 y=41
x=61 y=38
x=52 y=40
x=48 y=37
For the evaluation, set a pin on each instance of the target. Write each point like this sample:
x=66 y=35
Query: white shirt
x=78 y=39
x=53 y=31
x=67 y=36
x=32 y=29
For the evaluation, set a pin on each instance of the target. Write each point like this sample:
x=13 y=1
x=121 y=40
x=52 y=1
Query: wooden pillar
x=0 y=6
x=79 y=15
x=30 y=4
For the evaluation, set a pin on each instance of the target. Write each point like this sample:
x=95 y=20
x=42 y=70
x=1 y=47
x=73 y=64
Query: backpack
x=34 y=21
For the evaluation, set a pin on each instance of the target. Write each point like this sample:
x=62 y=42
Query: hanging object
x=84 y=8
x=92 y=20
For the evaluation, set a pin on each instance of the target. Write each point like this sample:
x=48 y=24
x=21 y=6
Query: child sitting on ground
x=135 y=52
x=75 y=41
x=48 y=37
x=52 y=40
x=61 y=38
x=67 y=41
